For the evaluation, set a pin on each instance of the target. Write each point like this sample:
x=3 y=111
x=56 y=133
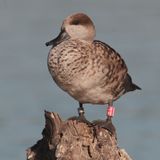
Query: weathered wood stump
x=72 y=140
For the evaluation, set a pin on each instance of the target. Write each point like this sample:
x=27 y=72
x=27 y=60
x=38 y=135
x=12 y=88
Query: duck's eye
x=76 y=22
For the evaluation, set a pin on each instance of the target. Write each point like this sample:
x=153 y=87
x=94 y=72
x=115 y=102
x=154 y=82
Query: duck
x=89 y=70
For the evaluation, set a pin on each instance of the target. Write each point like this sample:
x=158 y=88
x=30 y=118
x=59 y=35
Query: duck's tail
x=129 y=86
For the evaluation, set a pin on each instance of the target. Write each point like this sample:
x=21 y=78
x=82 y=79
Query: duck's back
x=117 y=78
x=114 y=68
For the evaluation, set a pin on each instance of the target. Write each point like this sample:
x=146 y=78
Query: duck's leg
x=110 y=113
x=107 y=124
x=81 y=113
x=81 y=117
x=81 y=110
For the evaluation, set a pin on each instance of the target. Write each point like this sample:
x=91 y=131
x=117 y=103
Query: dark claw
x=81 y=118
x=108 y=125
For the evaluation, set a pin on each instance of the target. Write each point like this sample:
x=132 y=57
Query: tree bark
x=73 y=140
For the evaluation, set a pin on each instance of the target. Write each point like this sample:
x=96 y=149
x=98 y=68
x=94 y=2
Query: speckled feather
x=90 y=71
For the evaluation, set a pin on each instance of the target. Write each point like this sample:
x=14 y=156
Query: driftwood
x=73 y=140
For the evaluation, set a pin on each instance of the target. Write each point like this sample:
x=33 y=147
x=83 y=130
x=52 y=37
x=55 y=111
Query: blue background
x=26 y=88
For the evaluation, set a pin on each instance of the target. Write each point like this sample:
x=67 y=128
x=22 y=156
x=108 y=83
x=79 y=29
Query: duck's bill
x=60 y=38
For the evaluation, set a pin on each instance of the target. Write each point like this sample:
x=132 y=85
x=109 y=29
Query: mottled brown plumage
x=89 y=70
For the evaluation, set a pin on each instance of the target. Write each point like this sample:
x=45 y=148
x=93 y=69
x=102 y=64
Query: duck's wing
x=114 y=61
x=117 y=76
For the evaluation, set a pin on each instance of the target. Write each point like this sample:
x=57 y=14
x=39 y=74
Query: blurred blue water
x=26 y=88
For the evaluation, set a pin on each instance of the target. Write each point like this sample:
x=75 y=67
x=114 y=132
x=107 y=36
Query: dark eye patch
x=80 y=19
x=75 y=22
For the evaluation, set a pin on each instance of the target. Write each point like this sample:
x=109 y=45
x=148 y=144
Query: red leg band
x=110 y=111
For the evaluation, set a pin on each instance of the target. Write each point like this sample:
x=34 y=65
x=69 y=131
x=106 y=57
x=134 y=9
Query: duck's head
x=76 y=26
